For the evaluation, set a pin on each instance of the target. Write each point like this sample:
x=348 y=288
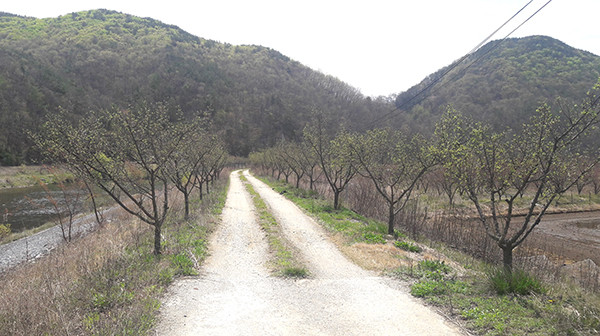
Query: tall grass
x=108 y=282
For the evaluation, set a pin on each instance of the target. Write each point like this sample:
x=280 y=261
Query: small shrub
x=100 y=301
x=517 y=282
x=406 y=246
x=374 y=238
x=165 y=276
x=4 y=230
x=90 y=320
x=200 y=248
x=433 y=269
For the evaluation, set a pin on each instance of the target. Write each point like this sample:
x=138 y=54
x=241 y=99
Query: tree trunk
x=391 y=219
x=507 y=258
x=186 y=200
x=93 y=198
x=157 y=230
x=450 y=195
x=336 y=199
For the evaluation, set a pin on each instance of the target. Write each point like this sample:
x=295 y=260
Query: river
x=30 y=207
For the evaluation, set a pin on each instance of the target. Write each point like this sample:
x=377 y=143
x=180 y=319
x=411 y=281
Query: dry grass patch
x=37 y=298
x=375 y=257
x=108 y=282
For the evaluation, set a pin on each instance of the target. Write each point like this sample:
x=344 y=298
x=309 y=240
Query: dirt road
x=235 y=294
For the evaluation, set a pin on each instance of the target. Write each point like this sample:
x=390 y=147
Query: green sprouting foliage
x=433 y=269
x=184 y=264
x=4 y=231
x=407 y=246
x=374 y=238
x=296 y=272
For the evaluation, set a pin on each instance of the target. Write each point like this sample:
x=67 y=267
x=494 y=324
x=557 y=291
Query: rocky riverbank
x=31 y=248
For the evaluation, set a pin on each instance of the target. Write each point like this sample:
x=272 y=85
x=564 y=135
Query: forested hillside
x=97 y=59
x=503 y=82
x=254 y=95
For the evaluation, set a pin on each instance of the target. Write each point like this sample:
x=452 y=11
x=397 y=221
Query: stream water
x=30 y=207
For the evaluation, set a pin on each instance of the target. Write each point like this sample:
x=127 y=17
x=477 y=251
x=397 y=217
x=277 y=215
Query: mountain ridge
x=99 y=58
x=506 y=79
x=254 y=95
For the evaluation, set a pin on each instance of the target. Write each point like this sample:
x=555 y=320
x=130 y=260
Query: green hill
x=503 y=82
x=254 y=95
x=99 y=58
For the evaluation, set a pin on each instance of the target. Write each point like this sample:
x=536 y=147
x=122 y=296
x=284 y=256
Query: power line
x=390 y=114
x=502 y=26
x=502 y=40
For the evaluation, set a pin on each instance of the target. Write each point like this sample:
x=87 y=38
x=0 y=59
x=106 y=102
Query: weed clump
x=374 y=238
x=517 y=282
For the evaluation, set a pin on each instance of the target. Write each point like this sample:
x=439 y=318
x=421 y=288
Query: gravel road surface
x=236 y=295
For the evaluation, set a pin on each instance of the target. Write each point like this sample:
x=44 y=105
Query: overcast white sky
x=379 y=46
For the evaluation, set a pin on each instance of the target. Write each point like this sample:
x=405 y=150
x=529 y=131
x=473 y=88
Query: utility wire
x=502 y=26
x=492 y=48
x=499 y=42
x=390 y=114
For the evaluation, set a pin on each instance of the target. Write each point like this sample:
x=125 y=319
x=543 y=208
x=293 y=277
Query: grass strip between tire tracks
x=285 y=260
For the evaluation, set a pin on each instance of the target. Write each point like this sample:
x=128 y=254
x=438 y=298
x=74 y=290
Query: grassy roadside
x=462 y=288
x=285 y=261
x=109 y=282
x=361 y=239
